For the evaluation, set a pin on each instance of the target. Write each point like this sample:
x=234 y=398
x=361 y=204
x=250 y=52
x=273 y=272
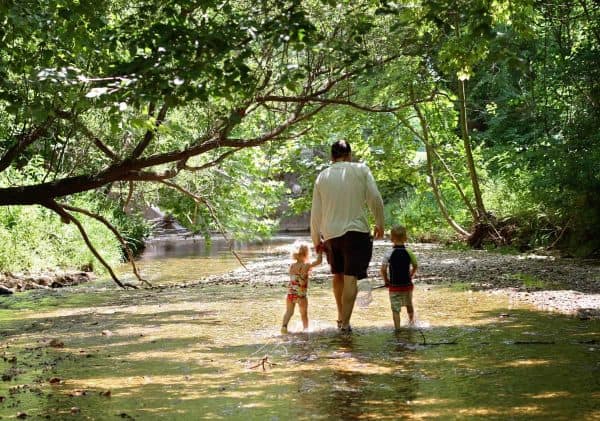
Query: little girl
x=298 y=285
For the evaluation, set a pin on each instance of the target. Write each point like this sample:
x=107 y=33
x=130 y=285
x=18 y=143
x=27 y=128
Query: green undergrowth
x=33 y=238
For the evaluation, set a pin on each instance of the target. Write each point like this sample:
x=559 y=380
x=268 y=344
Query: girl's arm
x=316 y=262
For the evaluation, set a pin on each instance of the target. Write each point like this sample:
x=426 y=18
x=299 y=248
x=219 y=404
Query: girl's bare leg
x=289 y=311
x=303 y=306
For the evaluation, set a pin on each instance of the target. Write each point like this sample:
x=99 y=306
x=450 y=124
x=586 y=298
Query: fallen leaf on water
x=55 y=343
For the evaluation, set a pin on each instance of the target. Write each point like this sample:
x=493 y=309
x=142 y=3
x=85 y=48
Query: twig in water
x=262 y=362
x=423 y=335
x=452 y=342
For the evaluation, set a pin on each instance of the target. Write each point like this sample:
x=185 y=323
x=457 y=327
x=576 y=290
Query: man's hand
x=320 y=248
x=378 y=234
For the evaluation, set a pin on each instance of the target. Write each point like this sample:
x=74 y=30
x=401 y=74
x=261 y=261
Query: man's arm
x=315 y=217
x=375 y=204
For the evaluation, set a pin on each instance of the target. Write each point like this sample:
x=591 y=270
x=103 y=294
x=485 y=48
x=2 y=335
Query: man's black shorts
x=350 y=254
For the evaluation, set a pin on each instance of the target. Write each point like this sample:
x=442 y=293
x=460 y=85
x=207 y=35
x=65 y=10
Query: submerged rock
x=5 y=291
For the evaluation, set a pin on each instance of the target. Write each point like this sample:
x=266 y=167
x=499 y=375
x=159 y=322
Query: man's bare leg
x=338 y=290
x=348 y=298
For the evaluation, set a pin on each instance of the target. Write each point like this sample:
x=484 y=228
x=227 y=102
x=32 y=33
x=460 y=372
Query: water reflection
x=168 y=260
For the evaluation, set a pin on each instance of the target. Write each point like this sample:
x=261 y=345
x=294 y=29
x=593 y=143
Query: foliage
x=209 y=110
x=32 y=238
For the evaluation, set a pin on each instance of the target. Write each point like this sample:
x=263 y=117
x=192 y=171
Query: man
x=341 y=195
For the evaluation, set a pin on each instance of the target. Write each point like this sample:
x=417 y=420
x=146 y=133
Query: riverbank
x=567 y=286
x=11 y=283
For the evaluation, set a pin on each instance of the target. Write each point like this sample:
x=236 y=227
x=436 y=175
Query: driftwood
x=263 y=361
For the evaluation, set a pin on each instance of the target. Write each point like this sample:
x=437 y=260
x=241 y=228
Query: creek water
x=214 y=351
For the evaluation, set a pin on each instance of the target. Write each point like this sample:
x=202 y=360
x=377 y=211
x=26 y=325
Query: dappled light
x=207 y=349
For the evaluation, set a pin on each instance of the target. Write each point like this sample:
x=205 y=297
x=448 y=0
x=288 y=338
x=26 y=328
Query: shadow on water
x=200 y=352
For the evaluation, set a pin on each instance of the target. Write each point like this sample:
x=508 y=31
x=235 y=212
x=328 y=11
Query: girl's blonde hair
x=303 y=251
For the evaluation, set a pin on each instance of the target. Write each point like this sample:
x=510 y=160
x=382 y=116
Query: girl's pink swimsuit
x=298 y=282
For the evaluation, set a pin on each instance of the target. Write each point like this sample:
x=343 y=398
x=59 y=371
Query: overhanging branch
x=213 y=214
x=67 y=218
x=115 y=232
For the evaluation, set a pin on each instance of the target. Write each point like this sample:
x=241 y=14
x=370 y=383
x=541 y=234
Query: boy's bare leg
x=396 y=320
x=411 y=314
x=289 y=311
x=303 y=306
x=348 y=298
x=338 y=290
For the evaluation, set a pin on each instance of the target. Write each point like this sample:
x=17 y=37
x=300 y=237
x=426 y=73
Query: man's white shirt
x=341 y=196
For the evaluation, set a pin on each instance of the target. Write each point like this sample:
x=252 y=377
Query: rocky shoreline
x=551 y=283
x=11 y=283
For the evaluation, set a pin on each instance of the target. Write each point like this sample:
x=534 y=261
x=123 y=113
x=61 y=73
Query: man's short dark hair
x=340 y=149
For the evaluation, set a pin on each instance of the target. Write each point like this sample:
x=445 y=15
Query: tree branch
x=24 y=140
x=86 y=131
x=337 y=101
x=115 y=232
x=213 y=214
x=211 y=163
x=67 y=218
x=139 y=149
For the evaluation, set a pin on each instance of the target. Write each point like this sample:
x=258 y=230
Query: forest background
x=479 y=119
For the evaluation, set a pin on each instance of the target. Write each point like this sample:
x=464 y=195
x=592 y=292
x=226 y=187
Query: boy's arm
x=384 y=274
x=413 y=264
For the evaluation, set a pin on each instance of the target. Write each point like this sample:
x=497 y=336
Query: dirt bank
x=10 y=283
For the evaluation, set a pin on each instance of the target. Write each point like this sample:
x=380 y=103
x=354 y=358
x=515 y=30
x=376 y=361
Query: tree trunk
x=433 y=181
x=462 y=103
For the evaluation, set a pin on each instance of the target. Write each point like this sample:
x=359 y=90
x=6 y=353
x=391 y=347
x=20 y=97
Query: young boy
x=397 y=269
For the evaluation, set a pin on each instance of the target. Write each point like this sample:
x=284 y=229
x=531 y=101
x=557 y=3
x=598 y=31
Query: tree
x=111 y=92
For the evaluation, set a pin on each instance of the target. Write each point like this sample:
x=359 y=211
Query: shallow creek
x=214 y=351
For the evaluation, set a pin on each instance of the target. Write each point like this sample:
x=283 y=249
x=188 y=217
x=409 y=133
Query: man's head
x=340 y=151
x=398 y=234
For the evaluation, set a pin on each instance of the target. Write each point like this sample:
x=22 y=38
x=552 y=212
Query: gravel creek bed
x=569 y=286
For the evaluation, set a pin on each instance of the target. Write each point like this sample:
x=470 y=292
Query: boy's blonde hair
x=398 y=233
x=302 y=251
